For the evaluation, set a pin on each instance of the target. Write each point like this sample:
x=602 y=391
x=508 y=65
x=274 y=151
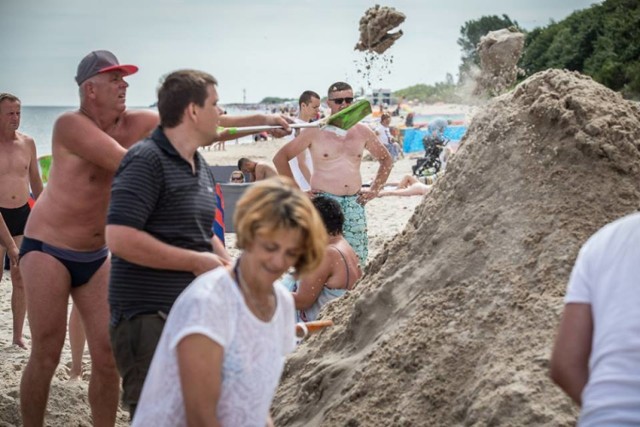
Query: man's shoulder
x=23 y=137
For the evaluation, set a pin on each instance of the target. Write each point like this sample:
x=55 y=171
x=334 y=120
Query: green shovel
x=344 y=119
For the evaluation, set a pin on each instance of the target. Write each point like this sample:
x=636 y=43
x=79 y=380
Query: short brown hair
x=339 y=86
x=178 y=90
x=307 y=96
x=275 y=204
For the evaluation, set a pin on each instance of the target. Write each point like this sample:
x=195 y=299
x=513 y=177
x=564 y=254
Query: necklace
x=262 y=309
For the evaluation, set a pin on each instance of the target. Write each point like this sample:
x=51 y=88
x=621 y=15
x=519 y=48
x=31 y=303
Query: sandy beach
x=68 y=404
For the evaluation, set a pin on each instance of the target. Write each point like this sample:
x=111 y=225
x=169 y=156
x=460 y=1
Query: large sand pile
x=454 y=320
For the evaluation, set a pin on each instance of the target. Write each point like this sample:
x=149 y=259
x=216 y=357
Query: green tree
x=472 y=31
x=602 y=41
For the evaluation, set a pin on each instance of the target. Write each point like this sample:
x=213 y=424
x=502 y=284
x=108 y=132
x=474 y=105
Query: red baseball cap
x=101 y=61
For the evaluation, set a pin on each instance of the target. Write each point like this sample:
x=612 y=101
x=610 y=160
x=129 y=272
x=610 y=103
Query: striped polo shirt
x=156 y=191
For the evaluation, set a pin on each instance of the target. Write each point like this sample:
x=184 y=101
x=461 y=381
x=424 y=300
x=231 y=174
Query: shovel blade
x=351 y=115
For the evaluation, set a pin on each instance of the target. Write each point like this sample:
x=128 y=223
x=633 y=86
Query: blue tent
x=413 y=137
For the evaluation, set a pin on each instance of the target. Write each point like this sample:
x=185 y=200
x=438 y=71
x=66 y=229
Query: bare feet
x=75 y=373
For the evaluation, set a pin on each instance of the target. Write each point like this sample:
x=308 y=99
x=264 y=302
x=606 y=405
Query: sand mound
x=454 y=320
x=499 y=53
x=375 y=27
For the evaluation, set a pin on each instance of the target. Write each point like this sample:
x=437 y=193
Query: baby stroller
x=430 y=164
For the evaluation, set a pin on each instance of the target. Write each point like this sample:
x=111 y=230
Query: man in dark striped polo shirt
x=159 y=226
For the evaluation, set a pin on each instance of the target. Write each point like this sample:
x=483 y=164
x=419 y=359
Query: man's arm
x=142 y=123
x=570 y=357
x=290 y=150
x=81 y=137
x=140 y=247
x=7 y=241
x=302 y=165
x=259 y=119
x=220 y=250
x=35 y=180
x=381 y=154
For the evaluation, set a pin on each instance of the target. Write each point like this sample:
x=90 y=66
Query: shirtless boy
x=18 y=173
x=336 y=156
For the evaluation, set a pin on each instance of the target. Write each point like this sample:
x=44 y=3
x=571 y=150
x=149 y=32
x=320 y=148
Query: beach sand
x=68 y=404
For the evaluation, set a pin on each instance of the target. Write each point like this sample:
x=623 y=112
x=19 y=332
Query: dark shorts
x=80 y=265
x=133 y=342
x=16 y=219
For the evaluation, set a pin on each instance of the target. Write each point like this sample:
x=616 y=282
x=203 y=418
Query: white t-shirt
x=254 y=353
x=607 y=276
x=384 y=134
x=293 y=163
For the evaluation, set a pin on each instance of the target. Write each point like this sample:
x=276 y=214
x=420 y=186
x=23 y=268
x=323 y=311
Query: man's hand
x=14 y=255
x=206 y=261
x=279 y=120
x=365 y=195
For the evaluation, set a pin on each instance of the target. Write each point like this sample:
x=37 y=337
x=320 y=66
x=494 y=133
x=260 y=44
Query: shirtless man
x=18 y=172
x=63 y=252
x=336 y=157
x=257 y=171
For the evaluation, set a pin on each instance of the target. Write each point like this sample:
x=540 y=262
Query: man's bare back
x=264 y=171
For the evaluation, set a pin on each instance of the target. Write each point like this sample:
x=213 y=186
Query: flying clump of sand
x=499 y=53
x=454 y=320
x=375 y=27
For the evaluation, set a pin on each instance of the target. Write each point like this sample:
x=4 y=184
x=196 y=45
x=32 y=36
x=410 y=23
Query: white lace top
x=254 y=353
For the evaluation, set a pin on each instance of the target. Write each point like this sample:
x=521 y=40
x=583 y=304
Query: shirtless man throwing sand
x=63 y=252
x=18 y=173
x=336 y=156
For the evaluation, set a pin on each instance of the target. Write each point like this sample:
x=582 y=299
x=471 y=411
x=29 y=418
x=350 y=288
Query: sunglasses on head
x=339 y=101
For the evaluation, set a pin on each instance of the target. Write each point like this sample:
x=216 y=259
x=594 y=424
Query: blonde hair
x=274 y=204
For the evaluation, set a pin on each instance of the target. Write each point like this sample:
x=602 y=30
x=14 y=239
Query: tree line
x=602 y=41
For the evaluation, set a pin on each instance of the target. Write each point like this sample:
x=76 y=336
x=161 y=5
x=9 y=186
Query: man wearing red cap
x=63 y=251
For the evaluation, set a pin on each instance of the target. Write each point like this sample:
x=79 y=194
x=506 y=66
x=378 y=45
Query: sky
x=254 y=48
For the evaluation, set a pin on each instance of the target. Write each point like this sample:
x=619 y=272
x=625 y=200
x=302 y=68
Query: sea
x=37 y=122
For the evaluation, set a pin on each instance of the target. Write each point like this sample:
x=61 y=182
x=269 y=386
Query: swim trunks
x=355 y=224
x=16 y=219
x=80 y=265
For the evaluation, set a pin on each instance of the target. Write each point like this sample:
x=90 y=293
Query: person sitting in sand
x=339 y=270
x=257 y=170
x=224 y=343
x=236 y=177
x=383 y=131
x=409 y=185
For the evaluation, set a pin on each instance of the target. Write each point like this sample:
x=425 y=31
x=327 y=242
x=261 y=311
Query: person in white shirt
x=223 y=347
x=596 y=357
x=384 y=135
x=309 y=111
